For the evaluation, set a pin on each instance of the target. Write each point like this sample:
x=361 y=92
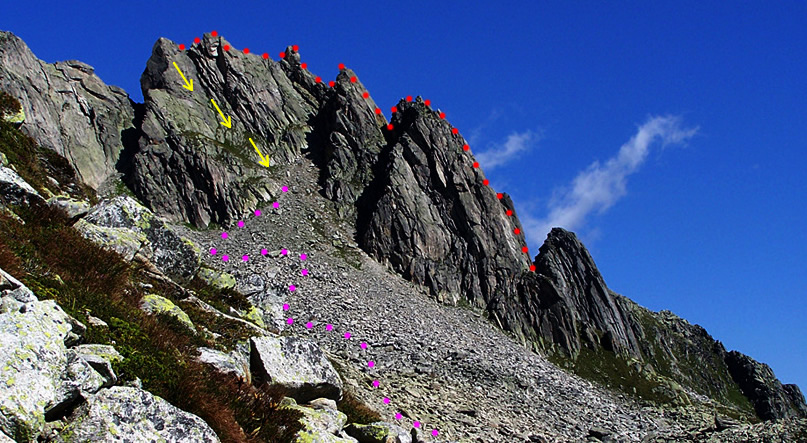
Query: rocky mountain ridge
x=414 y=199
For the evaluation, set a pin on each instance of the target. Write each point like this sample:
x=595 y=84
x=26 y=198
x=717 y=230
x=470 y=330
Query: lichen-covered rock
x=378 y=432
x=67 y=109
x=100 y=358
x=121 y=223
x=72 y=207
x=296 y=364
x=215 y=278
x=39 y=376
x=234 y=362
x=321 y=421
x=130 y=414
x=157 y=304
x=14 y=190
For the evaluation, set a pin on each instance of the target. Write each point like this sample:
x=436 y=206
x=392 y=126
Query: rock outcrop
x=296 y=364
x=770 y=398
x=68 y=109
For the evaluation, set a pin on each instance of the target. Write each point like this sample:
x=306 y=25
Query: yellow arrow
x=228 y=121
x=264 y=160
x=188 y=84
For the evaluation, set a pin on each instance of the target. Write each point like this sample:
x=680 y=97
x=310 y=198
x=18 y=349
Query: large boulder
x=157 y=304
x=379 y=432
x=40 y=377
x=131 y=414
x=124 y=225
x=14 y=190
x=68 y=109
x=297 y=365
x=321 y=422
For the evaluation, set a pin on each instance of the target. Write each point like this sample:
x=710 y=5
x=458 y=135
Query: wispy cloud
x=599 y=186
x=501 y=153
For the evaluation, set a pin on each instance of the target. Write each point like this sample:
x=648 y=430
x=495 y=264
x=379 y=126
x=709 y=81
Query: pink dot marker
x=328 y=327
x=290 y=320
x=275 y=205
x=257 y=213
x=292 y=288
x=347 y=335
x=240 y=223
x=284 y=252
x=264 y=252
x=370 y=364
x=224 y=235
x=309 y=325
x=285 y=306
x=245 y=258
x=285 y=189
x=376 y=383
x=398 y=416
x=225 y=257
x=213 y=251
x=435 y=432
x=303 y=257
x=364 y=345
x=386 y=401
x=416 y=424
x=304 y=272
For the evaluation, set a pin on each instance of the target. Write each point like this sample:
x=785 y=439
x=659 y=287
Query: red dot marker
x=353 y=79
x=341 y=66
x=442 y=115
x=517 y=231
x=524 y=249
x=532 y=268
x=214 y=33
x=181 y=47
x=465 y=147
x=246 y=50
x=409 y=98
x=509 y=212
x=366 y=94
x=394 y=109
x=265 y=56
x=390 y=127
x=295 y=48
x=377 y=111
x=454 y=130
x=485 y=182
x=283 y=54
x=197 y=40
x=226 y=47
x=500 y=196
x=332 y=83
x=428 y=102
x=476 y=164
x=304 y=65
x=318 y=79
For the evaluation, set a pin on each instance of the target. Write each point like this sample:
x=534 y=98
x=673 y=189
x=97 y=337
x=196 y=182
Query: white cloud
x=599 y=186
x=499 y=154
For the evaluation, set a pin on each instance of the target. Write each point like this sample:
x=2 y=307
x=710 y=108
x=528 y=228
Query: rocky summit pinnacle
x=408 y=245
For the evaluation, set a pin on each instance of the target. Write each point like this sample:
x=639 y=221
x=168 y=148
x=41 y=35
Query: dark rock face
x=429 y=217
x=771 y=400
x=68 y=109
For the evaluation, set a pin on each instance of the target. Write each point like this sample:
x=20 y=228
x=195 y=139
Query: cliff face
x=413 y=195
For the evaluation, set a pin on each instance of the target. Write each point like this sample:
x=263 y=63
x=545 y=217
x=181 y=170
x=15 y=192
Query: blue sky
x=710 y=225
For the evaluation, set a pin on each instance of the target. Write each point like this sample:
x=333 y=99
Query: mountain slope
x=407 y=194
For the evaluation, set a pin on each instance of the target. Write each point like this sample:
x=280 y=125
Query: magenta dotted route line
x=309 y=325
x=390 y=126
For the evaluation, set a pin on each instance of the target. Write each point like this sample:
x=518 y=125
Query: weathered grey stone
x=38 y=374
x=296 y=364
x=72 y=207
x=68 y=109
x=771 y=400
x=320 y=423
x=378 y=432
x=130 y=414
x=157 y=304
x=124 y=225
x=16 y=191
x=233 y=362
x=216 y=279
x=100 y=358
